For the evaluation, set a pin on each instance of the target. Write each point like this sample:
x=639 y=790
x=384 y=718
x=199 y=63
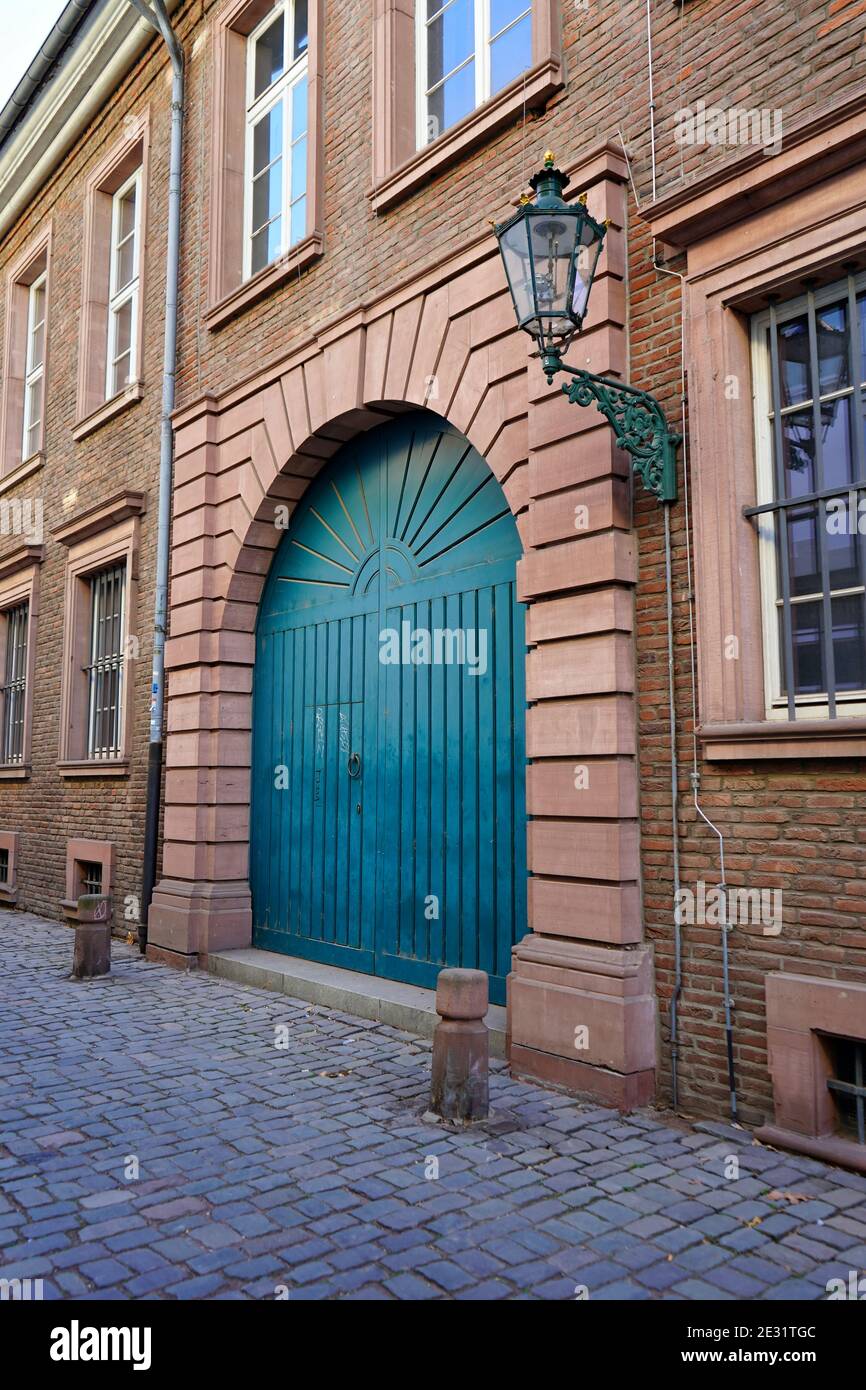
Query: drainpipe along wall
x=154 y=12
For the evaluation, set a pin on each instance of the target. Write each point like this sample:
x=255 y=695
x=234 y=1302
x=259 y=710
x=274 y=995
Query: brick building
x=362 y=442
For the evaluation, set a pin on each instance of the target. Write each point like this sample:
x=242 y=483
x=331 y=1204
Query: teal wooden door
x=388 y=812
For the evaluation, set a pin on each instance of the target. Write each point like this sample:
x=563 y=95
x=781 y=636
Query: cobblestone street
x=308 y=1168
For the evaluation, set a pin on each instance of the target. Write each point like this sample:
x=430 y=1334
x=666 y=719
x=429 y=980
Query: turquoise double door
x=388 y=826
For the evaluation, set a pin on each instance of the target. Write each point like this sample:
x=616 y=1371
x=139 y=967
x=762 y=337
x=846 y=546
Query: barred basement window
x=848 y=1084
x=4 y=866
x=105 y=669
x=14 y=688
x=90 y=878
x=809 y=359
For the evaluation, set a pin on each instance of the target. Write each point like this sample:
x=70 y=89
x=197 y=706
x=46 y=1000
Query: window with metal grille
x=105 y=669
x=89 y=877
x=4 y=866
x=809 y=361
x=14 y=688
x=848 y=1084
x=467 y=51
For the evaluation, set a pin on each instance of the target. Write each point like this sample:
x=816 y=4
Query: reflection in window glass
x=466 y=52
x=276 y=184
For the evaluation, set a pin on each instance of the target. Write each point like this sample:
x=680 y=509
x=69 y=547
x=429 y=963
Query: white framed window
x=809 y=383
x=275 y=198
x=123 y=305
x=466 y=52
x=34 y=367
x=105 y=667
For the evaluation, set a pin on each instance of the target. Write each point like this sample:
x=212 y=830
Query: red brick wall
x=798 y=828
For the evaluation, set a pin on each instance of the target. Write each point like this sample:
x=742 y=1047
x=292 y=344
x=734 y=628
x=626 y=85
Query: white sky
x=21 y=37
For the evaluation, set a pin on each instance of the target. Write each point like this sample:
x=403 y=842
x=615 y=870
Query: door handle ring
x=353 y=766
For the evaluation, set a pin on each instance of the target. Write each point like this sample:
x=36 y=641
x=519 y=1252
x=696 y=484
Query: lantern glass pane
x=587 y=257
x=515 y=253
x=553 y=241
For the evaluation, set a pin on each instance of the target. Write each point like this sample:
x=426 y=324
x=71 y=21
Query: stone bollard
x=92 y=937
x=459 y=1089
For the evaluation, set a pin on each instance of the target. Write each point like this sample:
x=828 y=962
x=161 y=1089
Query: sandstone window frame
x=19 y=584
x=756 y=228
x=101 y=538
x=399 y=166
x=78 y=853
x=32 y=266
x=128 y=157
x=230 y=292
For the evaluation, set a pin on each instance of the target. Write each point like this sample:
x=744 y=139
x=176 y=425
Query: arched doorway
x=388 y=826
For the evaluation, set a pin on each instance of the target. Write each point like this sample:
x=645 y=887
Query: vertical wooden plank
x=408 y=749
x=368 y=897
x=437 y=715
x=469 y=778
x=421 y=884
x=296 y=847
x=330 y=798
x=453 y=796
x=489 y=792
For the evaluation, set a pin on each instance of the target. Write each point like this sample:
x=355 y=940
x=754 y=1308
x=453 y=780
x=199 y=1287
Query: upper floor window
x=275 y=201
x=114 y=302
x=467 y=51
x=123 y=287
x=809 y=362
x=34 y=367
x=22 y=400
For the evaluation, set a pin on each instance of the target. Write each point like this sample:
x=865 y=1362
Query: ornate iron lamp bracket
x=638 y=422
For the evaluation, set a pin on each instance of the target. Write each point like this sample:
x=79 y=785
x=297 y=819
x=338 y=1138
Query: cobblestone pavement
x=307 y=1170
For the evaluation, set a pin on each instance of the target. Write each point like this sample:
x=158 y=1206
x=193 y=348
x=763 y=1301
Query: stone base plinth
x=626 y=1092
x=188 y=920
x=584 y=1017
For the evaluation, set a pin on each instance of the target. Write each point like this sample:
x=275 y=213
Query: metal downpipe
x=154 y=11
x=675 y=833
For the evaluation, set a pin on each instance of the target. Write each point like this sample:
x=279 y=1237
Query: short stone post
x=92 y=937
x=459 y=1083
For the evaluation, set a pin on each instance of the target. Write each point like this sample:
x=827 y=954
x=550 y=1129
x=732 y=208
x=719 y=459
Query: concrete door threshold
x=366 y=996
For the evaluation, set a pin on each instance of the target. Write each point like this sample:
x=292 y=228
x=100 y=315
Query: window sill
x=127 y=397
x=264 y=281
x=21 y=471
x=8 y=894
x=14 y=772
x=807 y=738
x=534 y=89
x=110 y=767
